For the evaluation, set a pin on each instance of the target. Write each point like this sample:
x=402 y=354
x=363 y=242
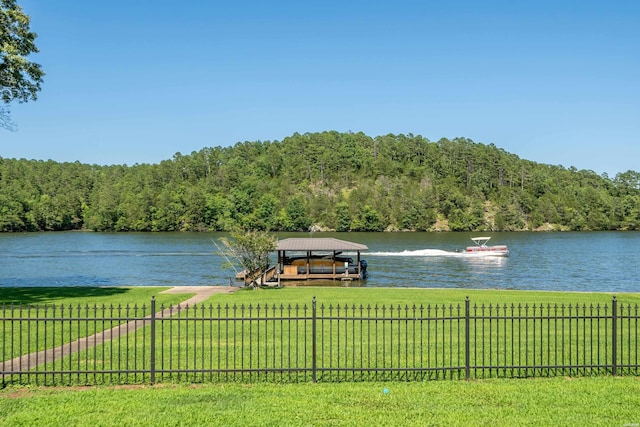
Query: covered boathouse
x=320 y=258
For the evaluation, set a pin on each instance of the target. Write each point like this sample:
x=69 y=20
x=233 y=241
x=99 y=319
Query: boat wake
x=418 y=253
x=430 y=253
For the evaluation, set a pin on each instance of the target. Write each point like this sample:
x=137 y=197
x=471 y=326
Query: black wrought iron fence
x=317 y=342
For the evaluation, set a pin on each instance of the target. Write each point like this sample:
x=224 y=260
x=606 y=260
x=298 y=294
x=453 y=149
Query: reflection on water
x=486 y=261
x=547 y=261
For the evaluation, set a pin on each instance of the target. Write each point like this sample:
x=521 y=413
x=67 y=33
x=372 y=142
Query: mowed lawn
x=356 y=296
x=606 y=401
x=601 y=401
x=350 y=296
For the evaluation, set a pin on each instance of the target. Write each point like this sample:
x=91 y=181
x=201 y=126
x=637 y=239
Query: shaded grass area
x=556 y=401
x=74 y=295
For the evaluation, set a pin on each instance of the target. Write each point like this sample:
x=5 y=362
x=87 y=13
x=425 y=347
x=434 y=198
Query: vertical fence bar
x=636 y=339
x=624 y=358
x=20 y=339
x=210 y=348
x=152 y=363
x=196 y=321
x=338 y=353
x=314 y=360
x=186 y=341
x=37 y=327
x=44 y=381
x=4 y=343
x=467 y=340
x=614 y=336
x=226 y=338
x=490 y=339
x=202 y=341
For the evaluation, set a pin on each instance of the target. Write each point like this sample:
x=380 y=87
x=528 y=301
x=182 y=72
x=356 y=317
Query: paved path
x=27 y=362
x=202 y=293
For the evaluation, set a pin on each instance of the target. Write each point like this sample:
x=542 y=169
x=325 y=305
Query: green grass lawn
x=602 y=401
x=303 y=295
x=87 y=295
x=69 y=302
x=411 y=296
x=193 y=344
x=560 y=401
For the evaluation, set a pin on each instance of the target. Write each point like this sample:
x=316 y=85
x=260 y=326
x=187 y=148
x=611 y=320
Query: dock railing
x=52 y=345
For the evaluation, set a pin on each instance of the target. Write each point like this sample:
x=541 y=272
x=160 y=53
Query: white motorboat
x=481 y=248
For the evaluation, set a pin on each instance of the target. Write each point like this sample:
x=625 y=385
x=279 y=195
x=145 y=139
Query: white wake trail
x=417 y=253
x=434 y=253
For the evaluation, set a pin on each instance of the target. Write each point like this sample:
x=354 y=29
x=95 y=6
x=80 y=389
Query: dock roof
x=318 y=244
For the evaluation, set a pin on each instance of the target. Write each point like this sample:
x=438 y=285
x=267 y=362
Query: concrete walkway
x=25 y=363
x=202 y=293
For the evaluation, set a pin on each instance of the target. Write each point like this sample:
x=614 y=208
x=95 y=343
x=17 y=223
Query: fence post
x=467 y=340
x=614 y=336
x=313 y=341
x=152 y=365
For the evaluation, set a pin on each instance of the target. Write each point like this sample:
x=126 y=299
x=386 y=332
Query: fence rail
x=206 y=343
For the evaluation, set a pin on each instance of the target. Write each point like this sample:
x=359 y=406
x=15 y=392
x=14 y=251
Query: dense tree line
x=329 y=180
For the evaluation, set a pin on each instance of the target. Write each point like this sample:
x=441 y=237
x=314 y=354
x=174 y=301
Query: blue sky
x=128 y=82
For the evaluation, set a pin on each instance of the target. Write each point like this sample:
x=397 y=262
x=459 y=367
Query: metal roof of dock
x=318 y=244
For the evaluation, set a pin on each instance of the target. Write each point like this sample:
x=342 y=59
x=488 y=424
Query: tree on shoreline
x=251 y=250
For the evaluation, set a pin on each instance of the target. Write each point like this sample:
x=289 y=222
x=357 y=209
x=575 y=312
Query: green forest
x=319 y=181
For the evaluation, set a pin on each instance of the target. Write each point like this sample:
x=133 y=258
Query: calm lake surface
x=599 y=261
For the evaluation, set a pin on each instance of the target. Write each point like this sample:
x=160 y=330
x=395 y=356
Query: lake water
x=599 y=261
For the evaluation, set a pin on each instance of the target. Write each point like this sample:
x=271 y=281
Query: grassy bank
x=303 y=295
x=417 y=296
x=558 y=402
